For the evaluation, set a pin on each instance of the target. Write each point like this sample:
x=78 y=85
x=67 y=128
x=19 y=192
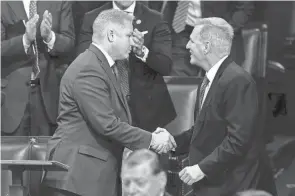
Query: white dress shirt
x=211 y=75
x=130 y=10
x=50 y=44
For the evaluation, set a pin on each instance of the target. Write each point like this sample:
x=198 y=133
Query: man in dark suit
x=149 y=100
x=226 y=151
x=237 y=13
x=35 y=36
x=93 y=122
x=143 y=175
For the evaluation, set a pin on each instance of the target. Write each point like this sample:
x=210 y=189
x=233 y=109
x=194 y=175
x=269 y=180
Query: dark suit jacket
x=93 y=128
x=17 y=65
x=224 y=141
x=150 y=102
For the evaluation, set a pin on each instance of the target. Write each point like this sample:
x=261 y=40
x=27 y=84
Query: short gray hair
x=142 y=156
x=219 y=32
x=109 y=17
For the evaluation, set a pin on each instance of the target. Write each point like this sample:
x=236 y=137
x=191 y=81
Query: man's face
x=124 y=4
x=121 y=46
x=140 y=181
x=195 y=47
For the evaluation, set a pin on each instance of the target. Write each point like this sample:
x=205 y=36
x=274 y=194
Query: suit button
x=150 y=97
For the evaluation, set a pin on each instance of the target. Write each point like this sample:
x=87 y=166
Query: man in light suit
x=226 y=150
x=149 y=100
x=93 y=122
x=143 y=175
x=31 y=99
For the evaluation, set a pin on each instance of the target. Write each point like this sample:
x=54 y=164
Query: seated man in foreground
x=143 y=175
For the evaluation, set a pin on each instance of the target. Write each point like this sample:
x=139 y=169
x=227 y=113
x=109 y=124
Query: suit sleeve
x=85 y=35
x=183 y=141
x=92 y=95
x=160 y=49
x=241 y=95
x=65 y=35
x=11 y=47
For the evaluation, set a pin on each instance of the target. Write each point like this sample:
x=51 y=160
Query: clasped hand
x=162 y=141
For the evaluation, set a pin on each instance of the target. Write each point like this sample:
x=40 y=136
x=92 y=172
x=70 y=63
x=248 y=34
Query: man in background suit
x=93 y=122
x=149 y=100
x=237 y=13
x=28 y=73
x=226 y=152
x=143 y=175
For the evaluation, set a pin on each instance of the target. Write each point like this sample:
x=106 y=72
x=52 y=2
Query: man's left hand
x=191 y=174
x=46 y=26
x=138 y=40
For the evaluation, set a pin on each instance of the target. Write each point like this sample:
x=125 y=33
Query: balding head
x=142 y=174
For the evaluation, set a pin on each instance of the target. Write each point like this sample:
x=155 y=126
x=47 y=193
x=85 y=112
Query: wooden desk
x=17 y=167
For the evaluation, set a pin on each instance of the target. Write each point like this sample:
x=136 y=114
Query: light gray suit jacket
x=93 y=128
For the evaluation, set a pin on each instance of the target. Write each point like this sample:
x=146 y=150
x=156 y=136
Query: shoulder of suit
x=236 y=72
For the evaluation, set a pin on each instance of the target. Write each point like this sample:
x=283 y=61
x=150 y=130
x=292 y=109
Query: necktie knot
x=206 y=80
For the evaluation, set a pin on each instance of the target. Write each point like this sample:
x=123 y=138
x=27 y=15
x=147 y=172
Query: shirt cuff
x=50 y=44
x=146 y=53
x=26 y=46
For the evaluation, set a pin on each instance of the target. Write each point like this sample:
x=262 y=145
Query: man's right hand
x=30 y=34
x=162 y=141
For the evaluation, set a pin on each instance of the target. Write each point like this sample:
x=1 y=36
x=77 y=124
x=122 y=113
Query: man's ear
x=111 y=35
x=207 y=47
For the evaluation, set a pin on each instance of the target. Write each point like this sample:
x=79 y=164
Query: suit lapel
x=111 y=76
x=18 y=9
x=209 y=96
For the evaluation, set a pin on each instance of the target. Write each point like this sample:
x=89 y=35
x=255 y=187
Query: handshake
x=162 y=141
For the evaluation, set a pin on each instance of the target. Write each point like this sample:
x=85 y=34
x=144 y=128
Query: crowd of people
x=107 y=110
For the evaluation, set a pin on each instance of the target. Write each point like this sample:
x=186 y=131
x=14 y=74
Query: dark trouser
x=35 y=121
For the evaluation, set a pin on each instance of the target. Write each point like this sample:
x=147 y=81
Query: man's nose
x=187 y=45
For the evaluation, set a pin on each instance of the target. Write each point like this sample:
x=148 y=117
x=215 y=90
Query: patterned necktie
x=202 y=91
x=122 y=74
x=35 y=68
x=180 y=15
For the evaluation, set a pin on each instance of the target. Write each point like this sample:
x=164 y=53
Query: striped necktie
x=180 y=15
x=202 y=91
x=35 y=68
x=122 y=74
